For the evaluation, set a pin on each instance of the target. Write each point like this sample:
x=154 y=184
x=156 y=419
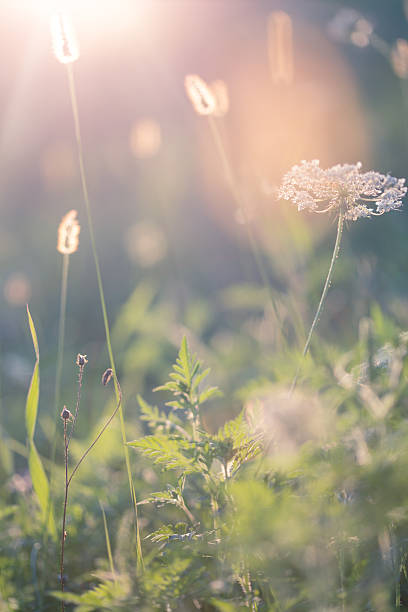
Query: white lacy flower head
x=342 y=188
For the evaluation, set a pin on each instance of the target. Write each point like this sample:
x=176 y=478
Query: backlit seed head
x=64 y=41
x=81 y=360
x=68 y=233
x=200 y=94
x=399 y=58
x=106 y=376
x=66 y=414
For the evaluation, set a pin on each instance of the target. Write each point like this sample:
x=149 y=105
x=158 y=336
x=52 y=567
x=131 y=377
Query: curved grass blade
x=37 y=472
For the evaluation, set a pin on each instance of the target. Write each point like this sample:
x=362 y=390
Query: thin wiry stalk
x=64 y=516
x=108 y=544
x=78 y=401
x=75 y=113
x=58 y=372
x=68 y=480
x=335 y=254
x=90 y=447
x=60 y=348
x=240 y=202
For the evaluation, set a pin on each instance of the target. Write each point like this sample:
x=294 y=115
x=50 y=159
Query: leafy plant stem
x=335 y=254
x=75 y=113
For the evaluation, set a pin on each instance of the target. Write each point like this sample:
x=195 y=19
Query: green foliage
x=34 y=389
x=37 y=472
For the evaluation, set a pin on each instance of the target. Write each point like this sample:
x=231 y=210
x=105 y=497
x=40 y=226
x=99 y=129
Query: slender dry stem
x=68 y=480
x=75 y=113
x=335 y=254
x=64 y=516
x=78 y=401
x=241 y=204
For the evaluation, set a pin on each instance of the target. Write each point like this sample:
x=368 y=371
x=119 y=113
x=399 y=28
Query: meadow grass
x=276 y=497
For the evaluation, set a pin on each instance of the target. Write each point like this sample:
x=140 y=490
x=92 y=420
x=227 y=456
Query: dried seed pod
x=66 y=414
x=81 y=360
x=106 y=376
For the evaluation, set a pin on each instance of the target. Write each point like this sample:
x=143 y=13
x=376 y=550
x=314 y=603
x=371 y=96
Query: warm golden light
x=17 y=289
x=220 y=92
x=145 y=138
x=399 y=58
x=280 y=47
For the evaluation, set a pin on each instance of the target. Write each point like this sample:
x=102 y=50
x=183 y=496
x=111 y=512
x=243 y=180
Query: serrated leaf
x=166 y=451
x=209 y=393
x=184 y=358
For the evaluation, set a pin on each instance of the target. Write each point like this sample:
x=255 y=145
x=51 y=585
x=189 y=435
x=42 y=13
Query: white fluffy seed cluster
x=342 y=187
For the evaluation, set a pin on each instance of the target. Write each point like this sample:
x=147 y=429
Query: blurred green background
x=174 y=256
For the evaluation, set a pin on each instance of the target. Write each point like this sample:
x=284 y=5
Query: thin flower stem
x=64 y=516
x=61 y=338
x=324 y=294
x=75 y=113
x=58 y=374
x=78 y=401
x=240 y=202
x=90 y=447
x=108 y=544
x=68 y=480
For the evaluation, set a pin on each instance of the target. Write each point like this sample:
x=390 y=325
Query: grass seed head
x=200 y=94
x=68 y=233
x=64 y=42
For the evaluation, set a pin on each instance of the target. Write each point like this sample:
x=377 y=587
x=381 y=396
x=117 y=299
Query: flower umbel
x=342 y=188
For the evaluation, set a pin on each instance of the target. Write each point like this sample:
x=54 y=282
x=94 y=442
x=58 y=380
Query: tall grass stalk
x=74 y=104
x=58 y=374
x=340 y=224
x=241 y=204
x=108 y=543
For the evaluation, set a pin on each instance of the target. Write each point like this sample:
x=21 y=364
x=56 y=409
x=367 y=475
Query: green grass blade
x=34 y=390
x=41 y=488
x=37 y=472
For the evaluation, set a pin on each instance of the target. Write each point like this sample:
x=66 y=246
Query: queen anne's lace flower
x=343 y=188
